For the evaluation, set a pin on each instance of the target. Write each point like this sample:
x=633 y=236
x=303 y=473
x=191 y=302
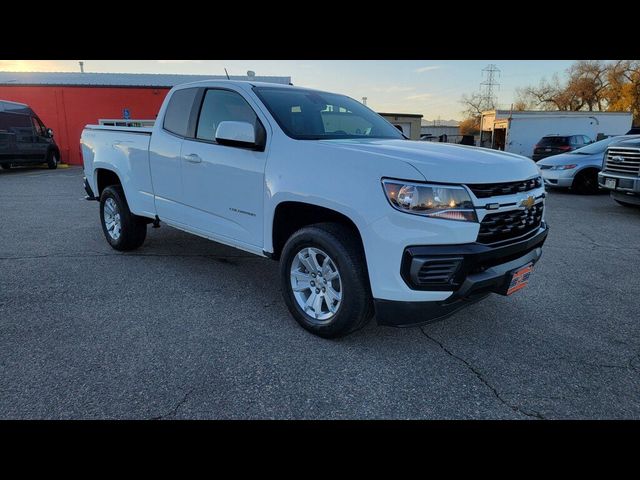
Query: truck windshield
x=311 y=115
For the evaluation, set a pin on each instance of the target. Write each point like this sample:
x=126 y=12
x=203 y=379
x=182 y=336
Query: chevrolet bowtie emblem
x=528 y=202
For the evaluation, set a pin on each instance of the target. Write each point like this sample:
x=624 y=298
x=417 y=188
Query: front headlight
x=564 y=167
x=438 y=201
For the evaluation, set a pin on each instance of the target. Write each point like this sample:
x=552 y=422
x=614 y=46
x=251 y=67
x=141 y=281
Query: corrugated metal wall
x=67 y=110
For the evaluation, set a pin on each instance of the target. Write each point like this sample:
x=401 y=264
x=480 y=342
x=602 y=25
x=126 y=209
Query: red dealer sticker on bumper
x=520 y=278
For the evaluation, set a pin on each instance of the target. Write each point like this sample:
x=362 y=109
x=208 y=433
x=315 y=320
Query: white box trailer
x=518 y=132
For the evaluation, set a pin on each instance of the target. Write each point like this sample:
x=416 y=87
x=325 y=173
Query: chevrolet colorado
x=363 y=221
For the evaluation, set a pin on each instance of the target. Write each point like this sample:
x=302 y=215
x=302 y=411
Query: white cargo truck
x=518 y=132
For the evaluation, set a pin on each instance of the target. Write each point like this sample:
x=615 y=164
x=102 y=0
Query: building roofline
x=411 y=115
x=551 y=112
x=98 y=79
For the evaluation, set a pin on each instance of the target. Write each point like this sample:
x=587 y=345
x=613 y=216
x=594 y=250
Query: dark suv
x=555 y=144
x=24 y=140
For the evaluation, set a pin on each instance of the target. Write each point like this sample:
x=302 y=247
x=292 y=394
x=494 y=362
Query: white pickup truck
x=363 y=221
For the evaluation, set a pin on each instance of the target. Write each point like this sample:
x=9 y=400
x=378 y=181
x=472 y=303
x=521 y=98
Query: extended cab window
x=176 y=118
x=221 y=106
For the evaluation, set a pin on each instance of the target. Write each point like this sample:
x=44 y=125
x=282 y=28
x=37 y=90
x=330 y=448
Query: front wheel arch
x=590 y=187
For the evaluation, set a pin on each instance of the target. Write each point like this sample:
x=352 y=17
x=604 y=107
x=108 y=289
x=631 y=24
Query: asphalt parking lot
x=187 y=328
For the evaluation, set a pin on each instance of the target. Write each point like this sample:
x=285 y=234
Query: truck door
x=41 y=141
x=164 y=155
x=7 y=138
x=223 y=186
x=22 y=129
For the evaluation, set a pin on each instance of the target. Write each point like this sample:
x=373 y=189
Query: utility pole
x=489 y=85
x=364 y=100
x=81 y=66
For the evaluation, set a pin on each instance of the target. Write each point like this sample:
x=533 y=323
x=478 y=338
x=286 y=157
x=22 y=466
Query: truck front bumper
x=481 y=270
x=625 y=188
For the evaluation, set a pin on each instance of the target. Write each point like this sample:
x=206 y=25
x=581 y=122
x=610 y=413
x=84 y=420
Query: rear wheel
x=586 y=182
x=122 y=229
x=324 y=280
x=52 y=160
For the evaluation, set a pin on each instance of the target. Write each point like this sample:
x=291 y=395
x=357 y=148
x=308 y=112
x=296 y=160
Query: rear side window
x=176 y=118
x=11 y=122
x=37 y=126
x=221 y=106
x=4 y=122
x=553 y=141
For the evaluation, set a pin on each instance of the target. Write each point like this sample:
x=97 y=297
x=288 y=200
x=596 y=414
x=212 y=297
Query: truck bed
x=143 y=130
x=124 y=150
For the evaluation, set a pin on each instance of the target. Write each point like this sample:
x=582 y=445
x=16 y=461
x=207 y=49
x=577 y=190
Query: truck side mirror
x=237 y=134
x=49 y=133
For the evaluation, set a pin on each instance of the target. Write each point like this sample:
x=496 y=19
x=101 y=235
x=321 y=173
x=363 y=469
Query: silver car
x=578 y=169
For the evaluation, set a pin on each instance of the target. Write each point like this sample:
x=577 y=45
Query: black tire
x=341 y=244
x=52 y=160
x=625 y=204
x=586 y=182
x=133 y=229
x=6 y=166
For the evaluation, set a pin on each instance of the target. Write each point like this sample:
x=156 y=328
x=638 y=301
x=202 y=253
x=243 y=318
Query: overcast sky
x=432 y=88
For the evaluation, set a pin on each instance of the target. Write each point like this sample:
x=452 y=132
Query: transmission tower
x=490 y=86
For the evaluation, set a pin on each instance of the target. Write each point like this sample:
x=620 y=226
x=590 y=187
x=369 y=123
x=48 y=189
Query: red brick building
x=66 y=102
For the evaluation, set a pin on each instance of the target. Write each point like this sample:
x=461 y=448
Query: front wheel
x=586 y=182
x=122 y=229
x=52 y=160
x=324 y=280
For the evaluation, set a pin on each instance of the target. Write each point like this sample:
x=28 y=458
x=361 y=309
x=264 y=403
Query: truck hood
x=445 y=162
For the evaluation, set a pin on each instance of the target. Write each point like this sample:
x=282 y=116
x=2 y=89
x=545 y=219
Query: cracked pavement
x=187 y=328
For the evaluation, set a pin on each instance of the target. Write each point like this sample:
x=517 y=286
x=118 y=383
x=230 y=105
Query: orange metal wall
x=67 y=110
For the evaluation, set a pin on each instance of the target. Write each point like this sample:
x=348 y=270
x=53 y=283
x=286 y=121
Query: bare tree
x=548 y=95
x=474 y=105
x=587 y=84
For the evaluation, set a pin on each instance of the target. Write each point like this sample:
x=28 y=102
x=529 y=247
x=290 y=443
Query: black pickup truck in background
x=24 y=140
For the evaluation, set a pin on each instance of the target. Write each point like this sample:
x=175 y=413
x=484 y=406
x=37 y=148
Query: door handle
x=193 y=158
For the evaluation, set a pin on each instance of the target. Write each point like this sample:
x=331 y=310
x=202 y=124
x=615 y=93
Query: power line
x=490 y=85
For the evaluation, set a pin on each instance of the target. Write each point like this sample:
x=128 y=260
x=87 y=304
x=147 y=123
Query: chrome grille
x=627 y=161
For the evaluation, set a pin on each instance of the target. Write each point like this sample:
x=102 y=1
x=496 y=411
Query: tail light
x=565 y=148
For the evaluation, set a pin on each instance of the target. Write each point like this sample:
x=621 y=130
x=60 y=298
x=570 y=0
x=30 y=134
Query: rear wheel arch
x=105 y=178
